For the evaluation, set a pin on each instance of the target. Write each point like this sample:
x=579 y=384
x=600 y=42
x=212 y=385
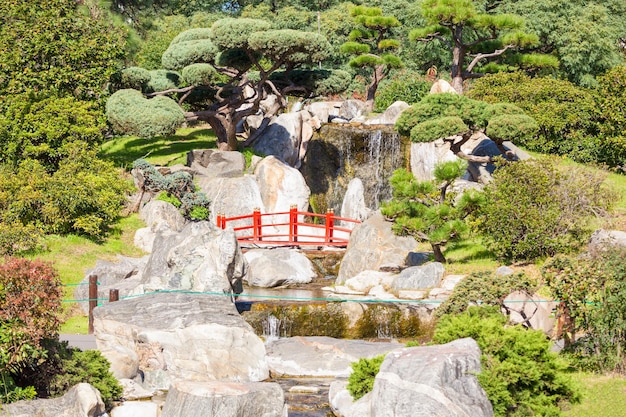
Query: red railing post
x=293 y=223
x=257 y=231
x=218 y=220
x=114 y=295
x=330 y=225
x=93 y=299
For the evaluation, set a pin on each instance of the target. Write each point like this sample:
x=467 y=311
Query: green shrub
x=409 y=87
x=518 y=128
x=86 y=366
x=438 y=128
x=169 y=198
x=361 y=380
x=534 y=209
x=520 y=374
x=484 y=288
x=592 y=290
x=566 y=115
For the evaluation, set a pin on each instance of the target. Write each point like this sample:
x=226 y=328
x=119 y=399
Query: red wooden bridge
x=290 y=229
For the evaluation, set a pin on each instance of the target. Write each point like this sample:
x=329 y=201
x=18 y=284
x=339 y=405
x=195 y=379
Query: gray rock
x=124 y=275
x=353 y=205
x=160 y=217
x=418 y=258
x=424 y=157
x=442 y=86
x=81 y=400
x=532 y=311
x=390 y=115
x=605 y=238
x=286 y=137
x=320 y=356
x=136 y=409
x=352 y=109
x=482 y=172
x=271 y=268
x=224 y=399
x=216 y=163
x=419 y=277
x=364 y=281
x=503 y=271
x=199 y=258
x=431 y=381
x=281 y=186
x=342 y=404
x=372 y=245
x=323 y=110
x=166 y=337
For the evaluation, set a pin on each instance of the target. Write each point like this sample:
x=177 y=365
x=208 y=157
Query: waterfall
x=340 y=153
x=271 y=328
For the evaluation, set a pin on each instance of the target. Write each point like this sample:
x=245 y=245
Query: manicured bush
x=409 y=87
x=361 y=380
x=484 y=288
x=520 y=373
x=534 y=209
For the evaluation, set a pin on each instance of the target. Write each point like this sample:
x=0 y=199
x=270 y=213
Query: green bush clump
x=518 y=127
x=361 y=380
x=409 y=87
x=535 y=209
x=520 y=374
x=567 y=116
x=484 y=288
x=439 y=128
x=592 y=290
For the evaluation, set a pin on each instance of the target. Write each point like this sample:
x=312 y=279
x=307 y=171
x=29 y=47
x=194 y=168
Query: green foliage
x=534 y=209
x=592 y=290
x=129 y=112
x=439 y=128
x=83 y=196
x=515 y=127
x=131 y=77
x=566 y=115
x=612 y=99
x=424 y=209
x=520 y=374
x=41 y=127
x=407 y=86
x=177 y=188
x=86 y=366
x=198 y=74
x=9 y=392
x=316 y=82
x=361 y=380
x=484 y=288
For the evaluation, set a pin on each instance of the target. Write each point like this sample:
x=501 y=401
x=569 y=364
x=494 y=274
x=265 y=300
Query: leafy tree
x=444 y=116
x=583 y=35
x=520 y=374
x=592 y=290
x=567 y=116
x=55 y=47
x=535 y=209
x=373 y=47
x=472 y=37
x=227 y=71
x=424 y=209
x=612 y=125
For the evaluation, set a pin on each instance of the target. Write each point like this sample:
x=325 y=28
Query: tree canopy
x=221 y=75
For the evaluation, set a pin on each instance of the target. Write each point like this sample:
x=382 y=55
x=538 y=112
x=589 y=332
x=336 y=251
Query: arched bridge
x=290 y=228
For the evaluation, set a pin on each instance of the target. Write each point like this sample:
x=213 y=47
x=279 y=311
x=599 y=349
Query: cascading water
x=271 y=328
x=338 y=153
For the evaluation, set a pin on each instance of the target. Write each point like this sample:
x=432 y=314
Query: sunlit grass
x=603 y=395
x=73 y=255
x=162 y=150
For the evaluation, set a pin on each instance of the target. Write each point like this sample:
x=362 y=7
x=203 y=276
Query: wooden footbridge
x=290 y=228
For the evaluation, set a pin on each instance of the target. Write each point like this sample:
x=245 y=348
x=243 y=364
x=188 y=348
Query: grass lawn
x=603 y=395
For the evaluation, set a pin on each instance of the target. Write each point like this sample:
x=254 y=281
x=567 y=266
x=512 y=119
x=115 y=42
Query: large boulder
x=123 y=275
x=424 y=157
x=431 y=381
x=421 y=382
x=321 y=356
x=81 y=400
x=286 y=137
x=216 y=163
x=601 y=239
x=281 y=187
x=419 y=277
x=165 y=337
x=324 y=110
x=224 y=399
x=201 y=257
x=160 y=217
x=271 y=268
x=353 y=205
x=232 y=197
x=390 y=115
x=482 y=172
x=352 y=109
x=373 y=245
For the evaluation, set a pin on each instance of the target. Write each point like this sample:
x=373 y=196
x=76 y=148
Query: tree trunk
x=438 y=253
x=458 y=54
x=379 y=74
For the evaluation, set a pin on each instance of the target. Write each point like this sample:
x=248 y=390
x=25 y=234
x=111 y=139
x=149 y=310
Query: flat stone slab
x=320 y=356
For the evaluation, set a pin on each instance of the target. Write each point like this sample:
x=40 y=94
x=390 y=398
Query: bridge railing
x=289 y=228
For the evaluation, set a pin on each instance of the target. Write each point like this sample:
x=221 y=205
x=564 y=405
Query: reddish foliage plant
x=30 y=295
